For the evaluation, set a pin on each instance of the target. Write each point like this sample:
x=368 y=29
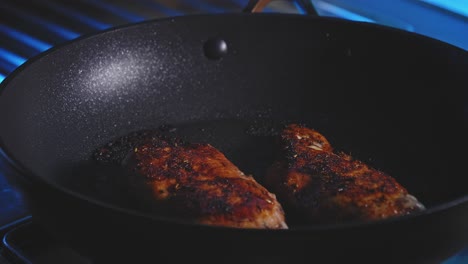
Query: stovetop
x=26 y=243
x=29 y=27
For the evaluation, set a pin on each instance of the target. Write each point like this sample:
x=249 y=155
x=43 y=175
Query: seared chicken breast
x=326 y=187
x=192 y=181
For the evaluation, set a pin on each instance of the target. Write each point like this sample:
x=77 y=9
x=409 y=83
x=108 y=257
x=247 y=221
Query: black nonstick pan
x=393 y=99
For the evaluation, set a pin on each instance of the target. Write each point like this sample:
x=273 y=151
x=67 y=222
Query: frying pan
x=393 y=99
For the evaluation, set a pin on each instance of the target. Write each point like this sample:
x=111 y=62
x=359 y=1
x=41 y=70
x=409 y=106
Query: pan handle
x=258 y=5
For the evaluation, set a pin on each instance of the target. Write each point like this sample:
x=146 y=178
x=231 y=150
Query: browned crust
x=196 y=181
x=332 y=187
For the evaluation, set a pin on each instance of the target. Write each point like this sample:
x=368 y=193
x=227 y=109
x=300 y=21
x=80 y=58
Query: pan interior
x=394 y=100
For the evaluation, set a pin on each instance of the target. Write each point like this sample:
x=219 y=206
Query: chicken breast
x=192 y=181
x=326 y=187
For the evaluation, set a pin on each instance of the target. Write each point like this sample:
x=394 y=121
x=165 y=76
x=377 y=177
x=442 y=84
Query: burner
x=26 y=243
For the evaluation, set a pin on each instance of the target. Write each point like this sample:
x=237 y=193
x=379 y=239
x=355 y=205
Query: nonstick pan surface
x=393 y=99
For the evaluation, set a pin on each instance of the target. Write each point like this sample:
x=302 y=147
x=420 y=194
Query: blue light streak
x=341 y=12
x=63 y=32
x=78 y=16
x=2 y=77
x=6 y=66
x=461 y=257
x=205 y=6
x=37 y=44
x=299 y=8
x=59 y=30
x=161 y=8
x=11 y=57
x=456 y=6
x=117 y=11
x=240 y=3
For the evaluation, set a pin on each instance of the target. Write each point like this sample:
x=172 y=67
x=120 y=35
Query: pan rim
x=88 y=36
x=37 y=181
